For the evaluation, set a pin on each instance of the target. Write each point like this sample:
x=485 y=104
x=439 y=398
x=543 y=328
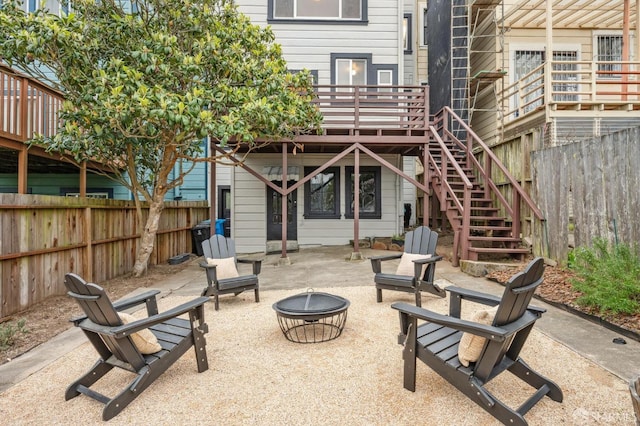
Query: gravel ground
x=257 y=377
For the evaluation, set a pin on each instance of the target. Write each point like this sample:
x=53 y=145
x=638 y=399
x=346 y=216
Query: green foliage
x=143 y=89
x=608 y=277
x=8 y=332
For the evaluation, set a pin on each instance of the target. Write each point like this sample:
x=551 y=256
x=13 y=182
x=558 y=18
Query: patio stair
x=485 y=225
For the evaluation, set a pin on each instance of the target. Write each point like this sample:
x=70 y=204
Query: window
x=406 y=33
x=567 y=73
x=609 y=48
x=351 y=71
x=352 y=10
x=422 y=23
x=32 y=5
x=322 y=194
x=525 y=62
x=370 y=192
x=385 y=78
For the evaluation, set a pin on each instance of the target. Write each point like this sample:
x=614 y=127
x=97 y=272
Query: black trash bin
x=200 y=233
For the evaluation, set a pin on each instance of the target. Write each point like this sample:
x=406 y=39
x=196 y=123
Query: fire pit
x=311 y=317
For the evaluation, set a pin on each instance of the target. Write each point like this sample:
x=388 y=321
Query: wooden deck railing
x=373 y=107
x=354 y=108
x=574 y=85
x=27 y=108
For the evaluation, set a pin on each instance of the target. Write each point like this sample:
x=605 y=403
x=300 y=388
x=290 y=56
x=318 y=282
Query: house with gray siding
x=347 y=45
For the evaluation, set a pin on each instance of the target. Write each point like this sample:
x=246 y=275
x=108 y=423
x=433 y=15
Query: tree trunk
x=147 y=241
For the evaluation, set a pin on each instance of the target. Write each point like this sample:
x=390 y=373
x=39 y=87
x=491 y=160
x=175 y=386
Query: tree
x=146 y=81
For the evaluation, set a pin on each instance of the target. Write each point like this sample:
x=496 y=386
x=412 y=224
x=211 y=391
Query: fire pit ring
x=312 y=317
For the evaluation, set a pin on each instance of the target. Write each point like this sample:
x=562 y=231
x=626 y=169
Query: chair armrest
x=486 y=331
x=257 y=264
x=431 y=259
x=474 y=296
x=148 y=297
x=459 y=293
x=376 y=261
x=418 y=264
x=212 y=274
x=143 y=323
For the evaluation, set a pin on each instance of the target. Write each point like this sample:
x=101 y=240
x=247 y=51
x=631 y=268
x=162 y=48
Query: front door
x=274 y=214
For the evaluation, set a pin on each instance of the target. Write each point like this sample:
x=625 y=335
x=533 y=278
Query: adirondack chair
x=419 y=244
x=116 y=341
x=221 y=267
x=437 y=342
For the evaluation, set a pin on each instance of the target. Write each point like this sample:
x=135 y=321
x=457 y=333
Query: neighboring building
x=48 y=173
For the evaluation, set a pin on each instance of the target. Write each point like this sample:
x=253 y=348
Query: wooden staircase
x=483 y=221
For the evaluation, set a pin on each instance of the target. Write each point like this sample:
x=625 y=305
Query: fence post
x=88 y=253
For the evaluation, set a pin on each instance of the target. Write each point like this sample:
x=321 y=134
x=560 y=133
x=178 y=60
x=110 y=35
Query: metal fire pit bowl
x=312 y=317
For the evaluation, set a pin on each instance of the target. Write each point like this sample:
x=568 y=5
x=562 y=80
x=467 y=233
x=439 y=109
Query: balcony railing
x=348 y=109
x=27 y=107
x=574 y=85
x=365 y=108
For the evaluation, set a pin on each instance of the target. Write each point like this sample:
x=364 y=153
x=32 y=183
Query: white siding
x=408 y=189
x=309 y=46
x=249 y=205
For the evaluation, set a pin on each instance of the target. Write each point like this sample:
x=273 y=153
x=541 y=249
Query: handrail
x=489 y=153
x=444 y=182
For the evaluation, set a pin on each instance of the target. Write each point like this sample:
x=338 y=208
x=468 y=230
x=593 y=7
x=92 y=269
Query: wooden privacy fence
x=44 y=237
x=588 y=190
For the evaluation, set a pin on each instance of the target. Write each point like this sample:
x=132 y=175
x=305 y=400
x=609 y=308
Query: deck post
x=356 y=255
x=285 y=198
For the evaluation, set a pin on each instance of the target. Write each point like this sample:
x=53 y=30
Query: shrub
x=8 y=332
x=608 y=277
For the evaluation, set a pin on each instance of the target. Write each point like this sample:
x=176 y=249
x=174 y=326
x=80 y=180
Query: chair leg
x=521 y=370
x=96 y=372
x=216 y=302
x=378 y=295
x=257 y=293
x=199 y=345
x=418 y=299
x=409 y=355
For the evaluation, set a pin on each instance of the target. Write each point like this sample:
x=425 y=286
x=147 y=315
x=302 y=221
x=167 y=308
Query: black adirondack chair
x=423 y=241
x=111 y=338
x=435 y=342
x=219 y=247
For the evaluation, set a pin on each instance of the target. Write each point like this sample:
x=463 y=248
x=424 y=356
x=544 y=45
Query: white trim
x=422 y=9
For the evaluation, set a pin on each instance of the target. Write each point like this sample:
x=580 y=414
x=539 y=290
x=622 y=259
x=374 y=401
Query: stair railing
x=518 y=194
x=448 y=162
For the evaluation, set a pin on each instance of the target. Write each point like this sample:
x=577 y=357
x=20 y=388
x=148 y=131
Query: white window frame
x=351 y=60
x=422 y=10
x=319 y=18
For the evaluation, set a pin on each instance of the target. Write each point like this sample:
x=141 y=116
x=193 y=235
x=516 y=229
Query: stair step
x=501 y=239
x=499 y=250
x=478 y=218
x=489 y=228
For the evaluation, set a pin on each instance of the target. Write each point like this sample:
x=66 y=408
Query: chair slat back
x=515 y=300
x=518 y=292
x=98 y=308
x=219 y=247
x=421 y=240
